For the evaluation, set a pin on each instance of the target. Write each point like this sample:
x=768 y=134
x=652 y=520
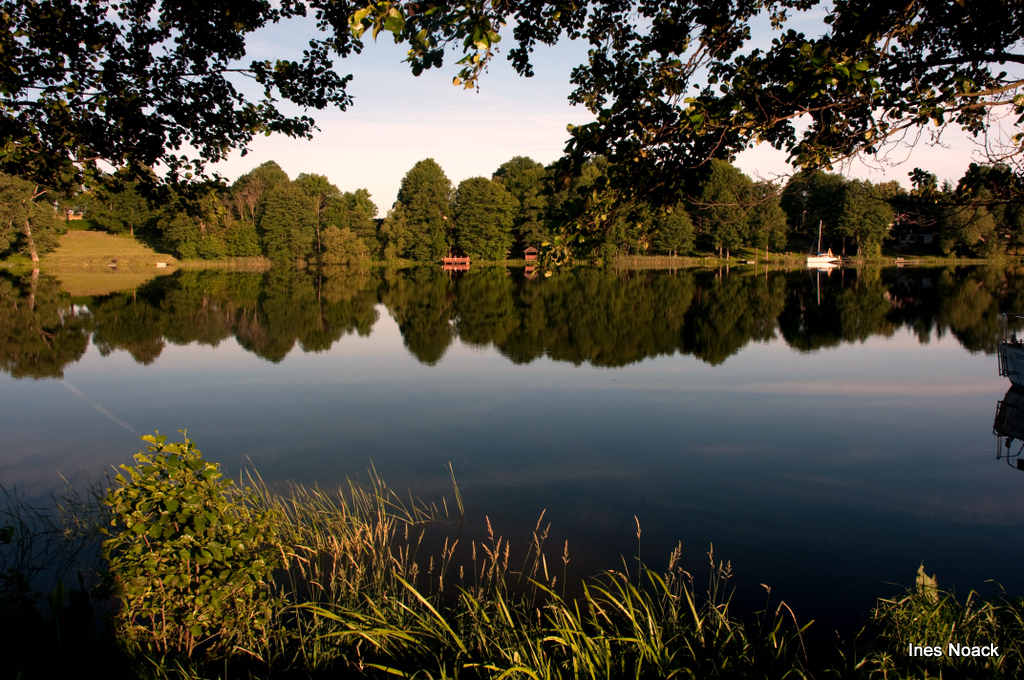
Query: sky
x=398 y=119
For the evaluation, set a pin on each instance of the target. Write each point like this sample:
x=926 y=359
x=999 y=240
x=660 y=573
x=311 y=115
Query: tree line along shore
x=309 y=220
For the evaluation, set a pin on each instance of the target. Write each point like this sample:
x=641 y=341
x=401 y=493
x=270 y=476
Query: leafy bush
x=343 y=247
x=190 y=555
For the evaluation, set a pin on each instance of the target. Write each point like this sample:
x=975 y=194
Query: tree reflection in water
x=598 y=317
x=41 y=331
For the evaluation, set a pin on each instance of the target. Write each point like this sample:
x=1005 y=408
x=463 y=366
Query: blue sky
x=398 y=119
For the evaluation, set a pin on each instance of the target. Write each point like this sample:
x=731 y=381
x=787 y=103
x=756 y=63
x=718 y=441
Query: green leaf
x=395 y=21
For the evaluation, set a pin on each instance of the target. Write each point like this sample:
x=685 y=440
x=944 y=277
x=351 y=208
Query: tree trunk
x=32 y=252
x=319 y=206
x=32 y=290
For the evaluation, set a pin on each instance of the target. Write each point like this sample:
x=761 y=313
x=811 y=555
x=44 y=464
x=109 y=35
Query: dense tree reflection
x=602 y=318
x=970 y=307
x=734 y=310
x=41 y=332
x=422 y=302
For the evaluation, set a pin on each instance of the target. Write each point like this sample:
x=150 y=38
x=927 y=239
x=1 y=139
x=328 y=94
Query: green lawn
x=96 y=263
x=95 y=248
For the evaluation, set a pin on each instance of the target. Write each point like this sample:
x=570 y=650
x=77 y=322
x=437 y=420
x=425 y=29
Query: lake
x=827 y=433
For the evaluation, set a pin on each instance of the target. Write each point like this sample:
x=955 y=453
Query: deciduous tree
x=286 y=224
x=866 y=215
x=484 y=212
x=321 y=192
x=812 y=199
x=674 y=85
x=721 y=208
x=768 y=225
x=524 y=179
x=355 y=210
x=674 y=231
x=115 y=204
x=248 y=190
x=422 y=212
x=342 y=247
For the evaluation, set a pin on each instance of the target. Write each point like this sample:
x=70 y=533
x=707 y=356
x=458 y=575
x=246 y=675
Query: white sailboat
x=822 y=259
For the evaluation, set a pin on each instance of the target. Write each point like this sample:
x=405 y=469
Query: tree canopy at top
x=672 y=84
x=134 y=82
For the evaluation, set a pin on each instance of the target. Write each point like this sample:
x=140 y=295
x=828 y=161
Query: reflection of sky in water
x=824 y=474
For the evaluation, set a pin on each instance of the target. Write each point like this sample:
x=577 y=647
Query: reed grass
x=232 y=263
x=926 y=615
x=363 y=598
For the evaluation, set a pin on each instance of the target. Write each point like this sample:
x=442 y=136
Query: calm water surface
x=827 y=434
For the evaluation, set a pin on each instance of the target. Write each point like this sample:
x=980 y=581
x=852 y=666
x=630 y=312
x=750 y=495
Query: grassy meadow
x=95 y=249
x=91 y=263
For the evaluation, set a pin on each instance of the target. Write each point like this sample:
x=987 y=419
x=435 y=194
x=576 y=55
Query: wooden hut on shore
x=455 y=264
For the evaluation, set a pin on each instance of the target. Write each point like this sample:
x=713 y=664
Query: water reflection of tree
x=864 y=308
x=603 y=318
x=203 y=307
x=129 y=323
x=731 y=311
x=915 y=301
x=314 y=309
x=40 y=330
x=267 y=314
x=826 y=310
x=971 y=305
x=422 y=302
x=486 y=307
x=345 y=303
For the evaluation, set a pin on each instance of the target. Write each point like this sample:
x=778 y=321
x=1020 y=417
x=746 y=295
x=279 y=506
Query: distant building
x=915 y=239
x=530 y=253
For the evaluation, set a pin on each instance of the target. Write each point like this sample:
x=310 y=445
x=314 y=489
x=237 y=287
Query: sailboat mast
x=819 y=236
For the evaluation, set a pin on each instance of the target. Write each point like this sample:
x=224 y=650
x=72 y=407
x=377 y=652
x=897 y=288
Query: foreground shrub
x=190 y=556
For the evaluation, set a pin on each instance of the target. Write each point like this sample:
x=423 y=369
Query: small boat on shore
x=826 y=259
